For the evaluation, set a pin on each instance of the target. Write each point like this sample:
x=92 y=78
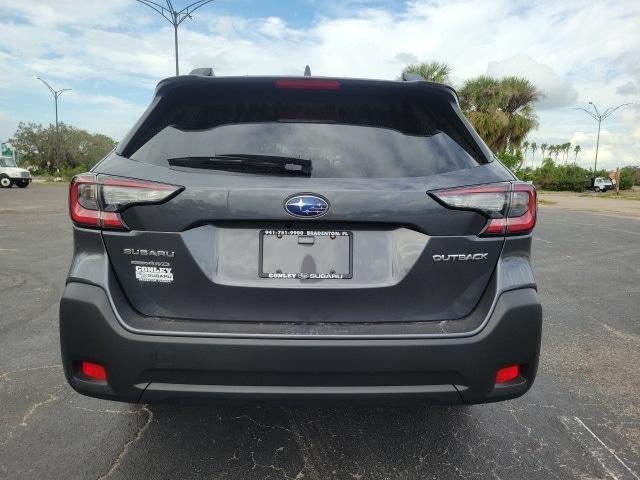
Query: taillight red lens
x=83 y=200
x=96 y=200
x=308 y=84
x=507 y=374
x=510 y=207
x=94 y=371
x=523 y=209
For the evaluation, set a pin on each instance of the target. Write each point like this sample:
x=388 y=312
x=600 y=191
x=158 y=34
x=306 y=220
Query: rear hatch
x=302 y=200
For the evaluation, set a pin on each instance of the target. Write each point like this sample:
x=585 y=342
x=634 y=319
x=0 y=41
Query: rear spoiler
x=205 y=80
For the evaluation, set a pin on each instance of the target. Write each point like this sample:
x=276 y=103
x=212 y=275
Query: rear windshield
x=336 y=135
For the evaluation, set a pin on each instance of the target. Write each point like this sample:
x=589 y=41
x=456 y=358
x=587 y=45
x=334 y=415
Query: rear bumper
x=151 y=368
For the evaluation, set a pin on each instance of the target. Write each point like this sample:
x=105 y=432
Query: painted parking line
x=605 y=455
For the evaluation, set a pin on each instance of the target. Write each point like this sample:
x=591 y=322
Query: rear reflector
x=307 y=84
x=94 y=371
x=510 y=207
x=507 y=374
x=97 y=200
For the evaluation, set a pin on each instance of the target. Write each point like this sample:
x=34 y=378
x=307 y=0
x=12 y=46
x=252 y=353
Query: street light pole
x=595 y=164
x=175 y=39
x=599 y=117
x=174 y=17
x=56 y=94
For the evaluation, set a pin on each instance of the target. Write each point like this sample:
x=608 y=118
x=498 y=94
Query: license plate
x=306 y=254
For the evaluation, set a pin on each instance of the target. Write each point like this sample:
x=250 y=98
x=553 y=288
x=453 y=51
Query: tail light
x=510 y=207
x=97 y=200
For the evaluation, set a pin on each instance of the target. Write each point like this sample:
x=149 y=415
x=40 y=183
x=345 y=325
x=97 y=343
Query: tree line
x=554 y=150
x=78 y=150
x=564 y=177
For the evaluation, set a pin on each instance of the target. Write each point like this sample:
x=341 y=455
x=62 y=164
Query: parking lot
x=580 y=420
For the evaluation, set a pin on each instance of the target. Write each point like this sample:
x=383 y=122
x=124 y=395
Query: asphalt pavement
x=580 y=420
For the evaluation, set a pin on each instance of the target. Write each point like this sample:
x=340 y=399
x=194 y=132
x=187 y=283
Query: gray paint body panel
x=92 y=266
x=213 y=227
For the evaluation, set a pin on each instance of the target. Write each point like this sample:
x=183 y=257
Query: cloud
x=557 y=92
x=275 y=27
x=629 y=88
x=406 y=58
x=67 y=12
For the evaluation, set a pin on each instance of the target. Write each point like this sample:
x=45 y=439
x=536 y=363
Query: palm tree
x=480 y=101
x=567 y=147
x=432 y=71
x=519 y=96
x=501 y=111
x=534 y=147
x=543 y=148
x=576 y=149
x=525 y=148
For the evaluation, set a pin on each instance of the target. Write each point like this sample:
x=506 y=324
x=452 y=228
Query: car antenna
x=307 y=71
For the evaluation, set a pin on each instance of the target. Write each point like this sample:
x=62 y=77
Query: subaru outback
x=301 y=237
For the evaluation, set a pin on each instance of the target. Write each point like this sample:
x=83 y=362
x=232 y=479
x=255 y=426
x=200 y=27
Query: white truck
x=11 y=174
x=600 y=184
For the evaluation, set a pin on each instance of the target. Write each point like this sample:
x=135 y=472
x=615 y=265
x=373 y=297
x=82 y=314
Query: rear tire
x=5 y=181
x=597 y=189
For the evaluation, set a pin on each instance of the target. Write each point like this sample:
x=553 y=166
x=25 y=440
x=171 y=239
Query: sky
x=112 y=53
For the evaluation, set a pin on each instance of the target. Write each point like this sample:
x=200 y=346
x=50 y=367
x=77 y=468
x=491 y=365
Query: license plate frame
x=322 y=236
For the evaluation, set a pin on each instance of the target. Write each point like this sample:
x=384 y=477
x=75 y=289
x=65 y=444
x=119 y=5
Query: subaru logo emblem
x=306 y=206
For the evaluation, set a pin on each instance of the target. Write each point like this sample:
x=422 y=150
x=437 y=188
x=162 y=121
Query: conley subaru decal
x=306 y=206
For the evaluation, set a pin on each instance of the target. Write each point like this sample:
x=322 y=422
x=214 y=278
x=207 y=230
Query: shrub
x=560 y=177
x=628 y=177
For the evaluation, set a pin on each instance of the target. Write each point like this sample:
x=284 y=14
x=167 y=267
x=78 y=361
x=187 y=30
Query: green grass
x=624 y=195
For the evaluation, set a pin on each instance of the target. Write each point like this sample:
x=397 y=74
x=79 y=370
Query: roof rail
x=205 y=72
x=307 y=71
x=412 y=77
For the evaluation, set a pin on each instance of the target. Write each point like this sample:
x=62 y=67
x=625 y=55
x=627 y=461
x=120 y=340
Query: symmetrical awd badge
x=306 y=206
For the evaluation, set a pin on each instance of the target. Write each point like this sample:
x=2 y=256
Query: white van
x=601 y=184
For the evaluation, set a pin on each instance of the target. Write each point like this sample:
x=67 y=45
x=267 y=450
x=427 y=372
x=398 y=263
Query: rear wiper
x=248 y=163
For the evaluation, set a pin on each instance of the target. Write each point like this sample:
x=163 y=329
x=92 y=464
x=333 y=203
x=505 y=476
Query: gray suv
x=263 y=237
